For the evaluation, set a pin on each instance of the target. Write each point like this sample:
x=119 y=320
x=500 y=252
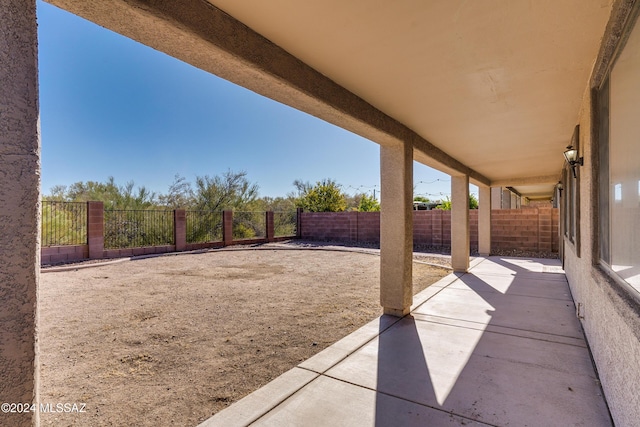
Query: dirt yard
x=174 y=339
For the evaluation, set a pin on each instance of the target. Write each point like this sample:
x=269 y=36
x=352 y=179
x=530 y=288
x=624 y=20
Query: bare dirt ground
x=172 y=340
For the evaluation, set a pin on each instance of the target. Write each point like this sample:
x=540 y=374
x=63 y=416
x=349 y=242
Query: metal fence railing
x=285 y=224
x=63 y=223
x=203 y=226
x=137 y=228
x=249 y=225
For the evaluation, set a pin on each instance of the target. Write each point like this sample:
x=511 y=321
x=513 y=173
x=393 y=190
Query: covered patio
x=499 y=345
x=489 y=92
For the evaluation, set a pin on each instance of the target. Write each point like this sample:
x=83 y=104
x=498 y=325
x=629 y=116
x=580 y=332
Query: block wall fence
x=94 y=249
x=530 y=229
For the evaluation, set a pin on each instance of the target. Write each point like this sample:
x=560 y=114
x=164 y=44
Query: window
x=619 y=158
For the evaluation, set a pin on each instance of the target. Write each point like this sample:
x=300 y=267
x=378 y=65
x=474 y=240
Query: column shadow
x=484 y=361
x=401 y=367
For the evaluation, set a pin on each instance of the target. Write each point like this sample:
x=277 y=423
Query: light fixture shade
x=571 y=155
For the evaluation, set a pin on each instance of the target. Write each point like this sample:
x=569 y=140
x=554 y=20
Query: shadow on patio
x=497 y=346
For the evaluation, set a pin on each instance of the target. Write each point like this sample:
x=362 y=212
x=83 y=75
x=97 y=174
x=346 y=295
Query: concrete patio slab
x=497 y=346
x=545 y=315
x=329 y=402
x=487 y=376
x=255 y=405
x=542 y=287
x=575 y=341
x=335 y=353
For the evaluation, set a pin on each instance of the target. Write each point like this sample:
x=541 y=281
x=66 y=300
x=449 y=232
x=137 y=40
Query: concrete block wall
x=534 y=229
x=57 y=254
x=510 y=228
x=368 y=227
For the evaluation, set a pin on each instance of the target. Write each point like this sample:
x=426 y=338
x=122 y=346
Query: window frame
x=571 y=199
x=601 y=93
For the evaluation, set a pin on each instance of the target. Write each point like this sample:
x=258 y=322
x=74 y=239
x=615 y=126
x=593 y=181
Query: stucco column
x=460 y=222
x=484 y=221
x=19 y=207
x=396 y=228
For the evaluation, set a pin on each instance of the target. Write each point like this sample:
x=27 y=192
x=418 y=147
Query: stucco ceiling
x=497 y=84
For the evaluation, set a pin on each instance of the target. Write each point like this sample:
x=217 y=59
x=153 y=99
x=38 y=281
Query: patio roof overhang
x=489 y=89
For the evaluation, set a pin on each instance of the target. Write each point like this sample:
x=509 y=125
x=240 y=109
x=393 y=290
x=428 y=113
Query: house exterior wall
x=19 y=208
x=609 y=315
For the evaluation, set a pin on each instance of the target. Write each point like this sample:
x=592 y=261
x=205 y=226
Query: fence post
x=95 y=229
x=180 y=229
x=270 y=226
x=227 y=228
x=299 y=222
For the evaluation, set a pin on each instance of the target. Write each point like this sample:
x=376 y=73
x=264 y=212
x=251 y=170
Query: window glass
x=624 y=162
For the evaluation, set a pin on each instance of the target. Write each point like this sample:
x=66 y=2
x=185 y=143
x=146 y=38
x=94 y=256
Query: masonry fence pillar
x=227 y=228
x=299 y=222
x=396 y=228
x=19 y=208
x=180 y=229
x=95 y=229
x=270 y=226
x=484 y=221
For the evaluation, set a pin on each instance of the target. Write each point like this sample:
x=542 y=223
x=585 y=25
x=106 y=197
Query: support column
x=484 y=221
x=19 y=208
x=396 y=228
x=460 y=223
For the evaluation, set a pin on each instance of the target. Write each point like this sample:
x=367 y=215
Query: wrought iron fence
x=285 y=224
x=249 y=225
x=63 y=223
x=204 y=226
x=136 y=228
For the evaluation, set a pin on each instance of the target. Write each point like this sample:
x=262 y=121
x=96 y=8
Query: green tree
x=325 y=196
x=231 y=190
x=276 y=204
x=445 y=205
x=473 y=201
x=180 y=195
x=112 y=195
x=421 y=199
x=353 y=202
x=368 y=204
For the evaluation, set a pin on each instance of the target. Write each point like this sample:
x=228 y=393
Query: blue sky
x=112 y=107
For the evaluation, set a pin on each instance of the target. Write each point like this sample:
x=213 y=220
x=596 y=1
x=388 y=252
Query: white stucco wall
x=611 y=317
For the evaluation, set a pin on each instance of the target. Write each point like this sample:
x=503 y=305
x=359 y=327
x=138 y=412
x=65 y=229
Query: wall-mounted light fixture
x=559 y=187
x=571 y=156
